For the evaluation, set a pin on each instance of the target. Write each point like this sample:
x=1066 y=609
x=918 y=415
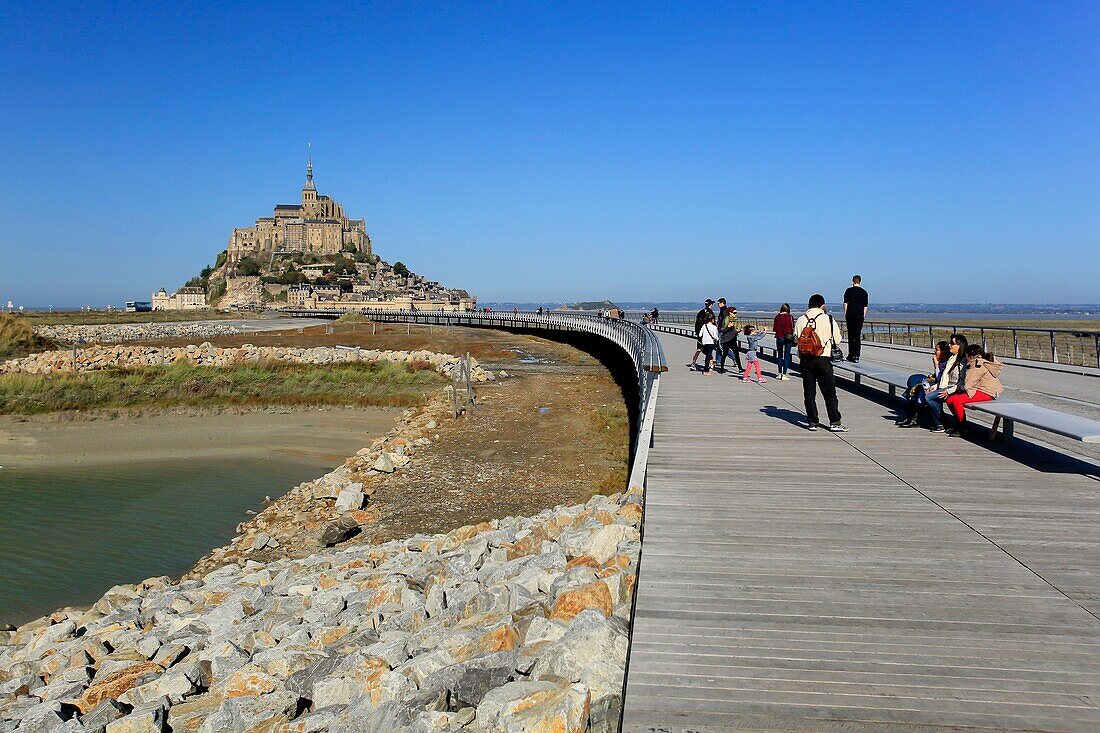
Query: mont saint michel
x=309 y=255
x=317 y=225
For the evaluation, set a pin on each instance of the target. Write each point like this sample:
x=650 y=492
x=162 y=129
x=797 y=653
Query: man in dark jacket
x=855 y=310
x=700 y=319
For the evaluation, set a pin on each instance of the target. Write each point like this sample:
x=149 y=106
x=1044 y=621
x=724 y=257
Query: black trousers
x=855 y=336
x=725 y=349
x=817 y=371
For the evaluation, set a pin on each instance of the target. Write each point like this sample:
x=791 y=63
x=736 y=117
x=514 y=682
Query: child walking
x=752 y=359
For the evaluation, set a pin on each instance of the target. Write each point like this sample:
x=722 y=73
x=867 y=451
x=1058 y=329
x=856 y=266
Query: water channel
x=72 y=527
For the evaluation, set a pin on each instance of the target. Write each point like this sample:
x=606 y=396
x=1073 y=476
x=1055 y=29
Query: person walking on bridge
x=855 y=311
x=818 y=332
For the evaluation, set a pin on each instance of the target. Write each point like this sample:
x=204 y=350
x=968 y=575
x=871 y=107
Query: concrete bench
x=1071 y=426
x=1005 y=413
x=894 y=379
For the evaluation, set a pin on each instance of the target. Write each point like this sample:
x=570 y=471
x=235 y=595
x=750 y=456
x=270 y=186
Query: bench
x=894 y=379
x=1080 y=428
x=1005 y=413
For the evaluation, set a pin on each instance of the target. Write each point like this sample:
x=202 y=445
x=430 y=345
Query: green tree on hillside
x=248 y=267
x=401 y=269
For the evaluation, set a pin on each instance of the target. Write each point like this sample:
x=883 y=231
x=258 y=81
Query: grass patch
x=17 y=337
x=181 y=384
x=611 y=423
x=102 y=317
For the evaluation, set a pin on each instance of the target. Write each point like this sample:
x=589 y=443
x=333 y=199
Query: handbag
x=836 y=354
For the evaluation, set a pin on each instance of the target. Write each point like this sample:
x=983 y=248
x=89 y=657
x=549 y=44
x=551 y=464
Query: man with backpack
x=818 y=335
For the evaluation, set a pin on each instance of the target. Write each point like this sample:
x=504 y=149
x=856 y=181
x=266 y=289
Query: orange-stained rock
x=583 y=560
x=633 y=512
x=503 y=638
x=595 y=595
x=249 y=681
x=363 y=516
x=619 y=562
x=115 y=684
x=605 y=517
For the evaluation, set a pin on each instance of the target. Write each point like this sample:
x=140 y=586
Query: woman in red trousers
x=980 y=383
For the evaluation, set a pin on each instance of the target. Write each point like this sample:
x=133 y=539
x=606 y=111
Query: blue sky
x=562 y=151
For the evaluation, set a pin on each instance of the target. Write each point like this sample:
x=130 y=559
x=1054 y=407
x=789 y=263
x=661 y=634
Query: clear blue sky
x=560 y=151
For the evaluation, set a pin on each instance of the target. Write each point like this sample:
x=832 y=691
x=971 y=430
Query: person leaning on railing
x=980 y=383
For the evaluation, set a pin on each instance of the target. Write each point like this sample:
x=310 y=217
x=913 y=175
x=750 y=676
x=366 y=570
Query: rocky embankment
x=334 y=507
x=512 y=625
x=134 y=332
x=206 y=354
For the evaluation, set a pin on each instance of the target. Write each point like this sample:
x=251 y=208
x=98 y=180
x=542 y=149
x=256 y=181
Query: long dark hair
x=960 y=360
x=976 y=350
x=944 y=348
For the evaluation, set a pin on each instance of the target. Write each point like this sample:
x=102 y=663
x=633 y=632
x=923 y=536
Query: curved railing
x=639 y=342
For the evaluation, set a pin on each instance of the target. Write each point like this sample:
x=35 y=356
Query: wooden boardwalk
x=880 y=580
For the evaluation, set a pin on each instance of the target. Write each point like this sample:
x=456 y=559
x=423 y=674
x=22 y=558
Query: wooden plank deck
x=911 y=582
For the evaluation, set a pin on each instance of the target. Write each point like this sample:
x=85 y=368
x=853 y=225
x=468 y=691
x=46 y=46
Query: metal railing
x=1067 y=346
x=639 y=342
x=1074 y=347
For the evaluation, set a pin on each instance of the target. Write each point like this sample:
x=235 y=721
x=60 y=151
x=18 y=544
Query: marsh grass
x=17 y=337
x=103 y=317
x=181 y=384
x=611 y=422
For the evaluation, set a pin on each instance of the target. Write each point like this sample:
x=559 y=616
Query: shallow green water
x=67 y=535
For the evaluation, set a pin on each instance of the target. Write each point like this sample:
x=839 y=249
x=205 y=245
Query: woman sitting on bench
x=949 y=378
x=980 y=383
x=915 y=397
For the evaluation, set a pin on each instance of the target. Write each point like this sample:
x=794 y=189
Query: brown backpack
x=809 y=343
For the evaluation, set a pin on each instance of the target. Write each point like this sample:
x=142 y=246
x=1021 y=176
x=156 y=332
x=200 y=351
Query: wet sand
x=330 y=434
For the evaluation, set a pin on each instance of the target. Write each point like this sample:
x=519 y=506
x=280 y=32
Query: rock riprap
x=135 y=331
x=206 y=354
x=511 y=625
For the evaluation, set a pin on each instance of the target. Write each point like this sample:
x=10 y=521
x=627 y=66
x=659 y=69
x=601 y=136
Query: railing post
x=981 y=334
x=1053 y=348
x=909 y=330
x=1015 y=343
x=1097 y=337
x=931 y=337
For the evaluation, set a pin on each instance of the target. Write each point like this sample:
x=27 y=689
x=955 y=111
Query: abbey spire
x=309 y=169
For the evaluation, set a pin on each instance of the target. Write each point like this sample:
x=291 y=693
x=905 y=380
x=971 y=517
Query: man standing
x=855 y=310
x=817 y=332
x=700 y=319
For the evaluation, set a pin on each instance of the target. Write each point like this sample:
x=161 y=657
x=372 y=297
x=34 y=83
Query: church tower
x=310 y=208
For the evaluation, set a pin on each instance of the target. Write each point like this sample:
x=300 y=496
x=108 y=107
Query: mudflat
x=114 y=437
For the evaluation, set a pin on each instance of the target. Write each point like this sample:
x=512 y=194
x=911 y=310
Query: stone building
x=181 y=300
x=318 y=225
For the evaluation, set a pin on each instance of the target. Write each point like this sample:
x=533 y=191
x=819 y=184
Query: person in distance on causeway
x=818 y=333
x=855 y=311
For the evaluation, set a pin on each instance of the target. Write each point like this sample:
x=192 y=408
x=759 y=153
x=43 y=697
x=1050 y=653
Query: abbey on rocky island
x=318 y=226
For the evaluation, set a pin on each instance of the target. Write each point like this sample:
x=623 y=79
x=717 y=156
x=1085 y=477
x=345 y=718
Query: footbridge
x=876 y=580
